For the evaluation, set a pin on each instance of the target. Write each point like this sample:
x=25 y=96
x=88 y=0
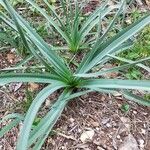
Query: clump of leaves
x=125 y=107
x=58 y=74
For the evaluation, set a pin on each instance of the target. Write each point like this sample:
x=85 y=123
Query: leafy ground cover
x=88 y=129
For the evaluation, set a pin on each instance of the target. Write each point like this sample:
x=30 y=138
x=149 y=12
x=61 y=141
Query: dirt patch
x=100 y=114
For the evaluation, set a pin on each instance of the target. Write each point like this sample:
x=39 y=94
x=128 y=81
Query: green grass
x=141 y=47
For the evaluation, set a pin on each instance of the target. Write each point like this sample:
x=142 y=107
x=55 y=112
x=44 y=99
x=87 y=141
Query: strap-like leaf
x=111 y=44
x=114 y=69
x=40 y=43
x=49 y=19
x=116 y=84
x=27 y=77
x=50 y=119
x=119 y=39
x=9 y=126
x=130 y=61
x=135 y=98
x=31 y=114
x=46 y=124
x=16 y=119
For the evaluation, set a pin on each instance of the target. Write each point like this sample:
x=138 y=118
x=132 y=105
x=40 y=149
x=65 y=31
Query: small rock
x=105 y=121
x=118 y=136
x=71 y=120
x=126 y=122
x=87 y=135
x=97 y=128
x=47 y=103
x=129 y=143
x=108 y=125
x=143 y=131
x=141 y=143
x=135 y=112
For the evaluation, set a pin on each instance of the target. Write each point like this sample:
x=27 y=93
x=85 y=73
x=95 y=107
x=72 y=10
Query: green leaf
x=28 y=77
x=16 y=119
x=131 y=62
x=46 y=124
x=114 y=69
x=125 y=107
x=109 y=46
x=135 y=98
x=9 y=126
x=49 y=19
x=31 y=114
x=116 y=84
x=41 y=44
x=12 y=116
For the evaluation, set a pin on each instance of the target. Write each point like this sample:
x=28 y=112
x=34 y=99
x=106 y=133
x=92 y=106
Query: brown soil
x=94 y=112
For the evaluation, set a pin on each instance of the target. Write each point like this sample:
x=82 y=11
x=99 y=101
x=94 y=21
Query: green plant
x=141 y=48
x=125 y=107
x=29 y=98
x=74 y=29
x=8 y=38
x=73 y=82
x=133 y=74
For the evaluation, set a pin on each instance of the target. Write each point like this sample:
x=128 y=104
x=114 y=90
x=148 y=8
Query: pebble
x=71 y=120
x=135 y=112
x=143 y=131
x=141 y=143
x=108 y=125
x=105 y=121
x=87 y=135
x=118 y=136
x=97 y=129
x=100 y=148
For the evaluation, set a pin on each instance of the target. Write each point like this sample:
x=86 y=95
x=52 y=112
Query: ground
x=92 y=122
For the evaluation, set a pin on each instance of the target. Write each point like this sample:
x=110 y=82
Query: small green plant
x=141 y=48
x=58 y=74
x=9 y=38
x=28 y=100
x=133 y=73
x=125 y=107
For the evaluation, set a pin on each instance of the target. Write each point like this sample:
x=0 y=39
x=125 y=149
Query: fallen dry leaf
x=10 y=57
x=33 y=87
x=147 y=2
x=95 y=124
